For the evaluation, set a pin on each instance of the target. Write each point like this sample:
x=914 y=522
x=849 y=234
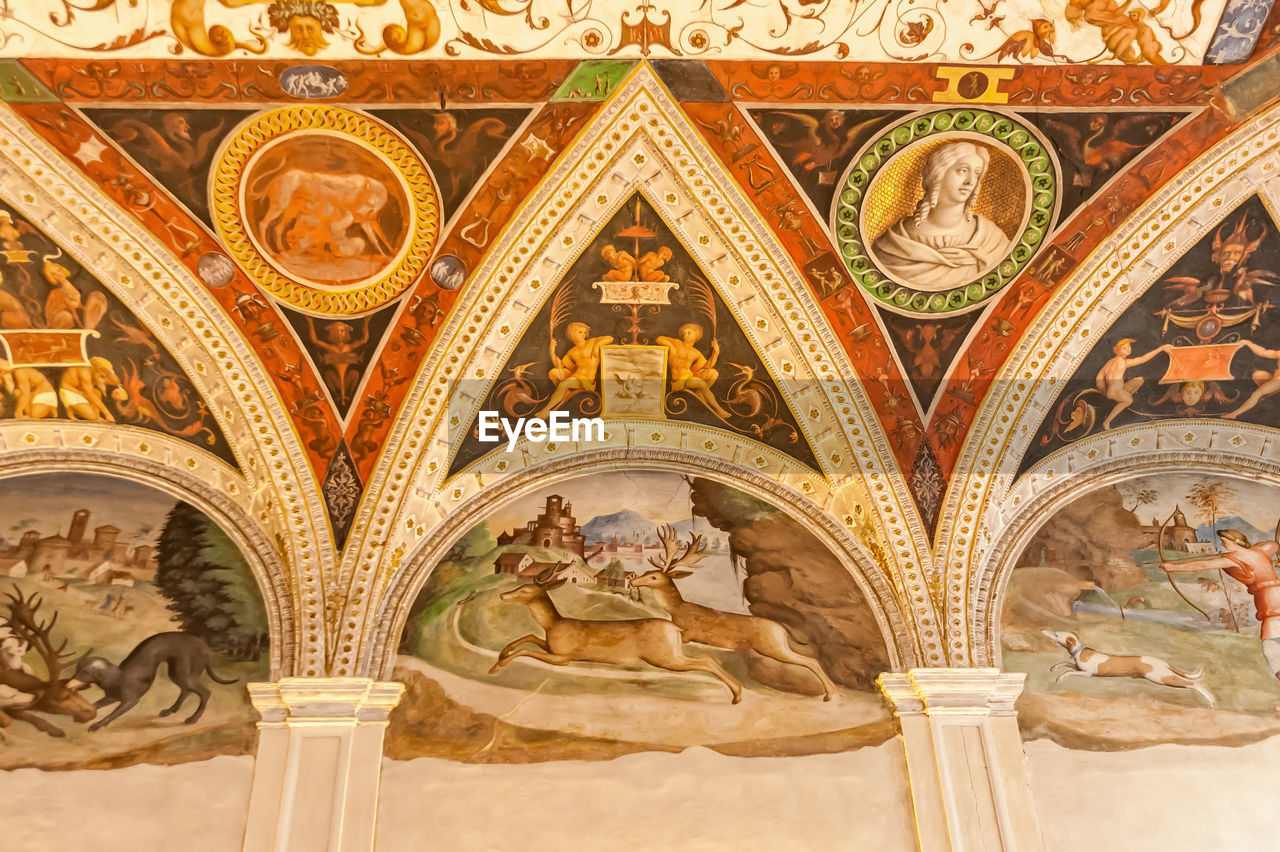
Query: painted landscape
x=1120 y=652
x=104 y=582
x=637 y=610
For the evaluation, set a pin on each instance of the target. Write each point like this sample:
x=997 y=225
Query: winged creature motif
x=456 y=151
x=814 y=144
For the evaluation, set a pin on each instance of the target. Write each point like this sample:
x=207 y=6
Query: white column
x=969 y=784
x=315 y=778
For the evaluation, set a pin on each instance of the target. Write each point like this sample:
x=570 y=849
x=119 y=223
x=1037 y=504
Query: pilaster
x=315 y=779
x=969 y=784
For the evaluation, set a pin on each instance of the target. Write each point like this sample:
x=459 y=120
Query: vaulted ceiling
x=304 y=244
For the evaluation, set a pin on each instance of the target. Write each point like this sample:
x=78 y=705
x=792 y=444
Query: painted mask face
x=1192 y=393
x=1230 y=256
x=306 y=35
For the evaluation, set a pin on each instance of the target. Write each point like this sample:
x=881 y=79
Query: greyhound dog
x=1086 y=662
x=186 y=656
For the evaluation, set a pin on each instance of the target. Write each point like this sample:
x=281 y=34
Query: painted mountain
x=1205 y=532
x=627 y=525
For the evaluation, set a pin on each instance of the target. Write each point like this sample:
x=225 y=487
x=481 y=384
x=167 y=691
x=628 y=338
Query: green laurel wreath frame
x=1005 y=130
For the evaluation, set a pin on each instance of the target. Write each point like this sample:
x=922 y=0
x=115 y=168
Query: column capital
x=947 y=691
x=328 y=700
x=899 y=689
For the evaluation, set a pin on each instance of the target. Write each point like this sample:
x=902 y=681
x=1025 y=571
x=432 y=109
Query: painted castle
x=555 y=527
x=100 y=559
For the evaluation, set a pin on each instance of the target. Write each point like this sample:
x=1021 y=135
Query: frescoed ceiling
x=330 y=233
x=1075 y=32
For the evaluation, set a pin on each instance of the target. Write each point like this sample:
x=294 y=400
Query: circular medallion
x=215 y=269
x=944 y=209
x=1208 y=328
x=449 y=272
x=324 y=208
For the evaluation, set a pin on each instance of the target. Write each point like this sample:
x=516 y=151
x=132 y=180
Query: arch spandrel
x=274 y=488
x=1132 y=261
x=639 y=141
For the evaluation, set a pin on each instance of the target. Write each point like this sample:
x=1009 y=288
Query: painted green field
x=465 y=624
x=140 y=734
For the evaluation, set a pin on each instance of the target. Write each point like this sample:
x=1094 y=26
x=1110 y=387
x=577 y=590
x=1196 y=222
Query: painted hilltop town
x=103 y=559
x=621 y=545
x=732 y=659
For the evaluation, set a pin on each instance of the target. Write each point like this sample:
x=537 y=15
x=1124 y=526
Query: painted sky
x=661 y=497
x=1257 y=503
x=48 y=500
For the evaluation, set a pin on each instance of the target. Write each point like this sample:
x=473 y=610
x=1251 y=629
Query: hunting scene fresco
x=1149 y=612
x=129 y=626
x=637 y=610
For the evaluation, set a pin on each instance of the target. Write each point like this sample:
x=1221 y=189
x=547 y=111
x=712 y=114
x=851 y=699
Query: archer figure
x=1252 y=565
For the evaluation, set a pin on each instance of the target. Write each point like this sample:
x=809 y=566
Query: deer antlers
x=22 y=621
x=675 y=556
x=547 y=578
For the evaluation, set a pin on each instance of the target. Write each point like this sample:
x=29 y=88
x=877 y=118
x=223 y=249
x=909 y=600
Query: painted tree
x=209 y=586
x=1214 y=499
x=477 y=541
x=1138 y=495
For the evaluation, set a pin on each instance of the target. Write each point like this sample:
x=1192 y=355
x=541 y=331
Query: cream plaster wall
x=194 y=807
x=1158 y=799
x=695 y=801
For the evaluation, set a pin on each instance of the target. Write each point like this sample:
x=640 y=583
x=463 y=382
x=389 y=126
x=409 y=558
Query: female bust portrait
x=944 y=244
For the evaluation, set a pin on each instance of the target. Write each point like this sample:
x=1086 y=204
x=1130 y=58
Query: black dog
x=187 y=657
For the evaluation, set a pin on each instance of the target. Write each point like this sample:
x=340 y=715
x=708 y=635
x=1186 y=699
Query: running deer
x=712 y=627
x=572 y=640
x=26 y=692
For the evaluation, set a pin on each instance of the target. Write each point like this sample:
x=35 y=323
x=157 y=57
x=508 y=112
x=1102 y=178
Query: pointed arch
x=1059 y=339
x=276 y=487
x=639 y=141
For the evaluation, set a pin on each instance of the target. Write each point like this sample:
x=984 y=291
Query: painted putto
x=635 y=330
x=1203 y=341
x=71 y=350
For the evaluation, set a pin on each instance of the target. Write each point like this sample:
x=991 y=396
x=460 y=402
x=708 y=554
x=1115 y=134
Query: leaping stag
x=655 y=641
x=728 y=630
x=26 y=693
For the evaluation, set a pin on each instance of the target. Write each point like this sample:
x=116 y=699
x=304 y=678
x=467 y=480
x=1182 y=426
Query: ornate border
x=224 y=198
x=1201 y=446
x=1026 y=146
x=1116 y=274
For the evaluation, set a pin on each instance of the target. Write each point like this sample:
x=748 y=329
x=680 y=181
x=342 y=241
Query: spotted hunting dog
x=1086 y=662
